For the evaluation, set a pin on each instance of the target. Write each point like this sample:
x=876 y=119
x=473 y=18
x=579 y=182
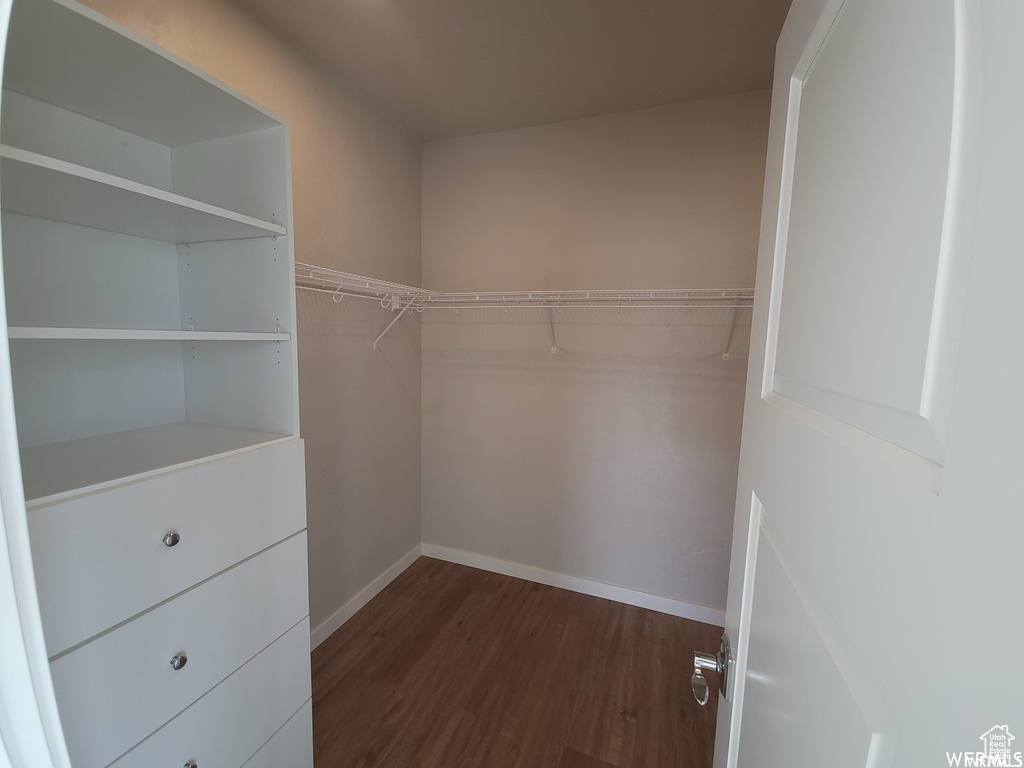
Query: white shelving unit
x=148 y=267
x=126 y=223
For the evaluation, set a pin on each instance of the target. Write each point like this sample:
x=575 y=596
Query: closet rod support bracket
x=732 y=326
x=551 y=328
x=394 y=320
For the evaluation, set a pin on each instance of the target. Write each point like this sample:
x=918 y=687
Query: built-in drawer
x=292 y=746
x=229 y=724
x=117 y=689
x=101 y=559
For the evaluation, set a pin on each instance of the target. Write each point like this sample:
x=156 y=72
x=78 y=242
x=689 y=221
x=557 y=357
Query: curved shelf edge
x=135 y=334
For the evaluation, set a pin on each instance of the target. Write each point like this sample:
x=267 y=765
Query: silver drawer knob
x=191 y=764
x=171 y=538
x=179 y=661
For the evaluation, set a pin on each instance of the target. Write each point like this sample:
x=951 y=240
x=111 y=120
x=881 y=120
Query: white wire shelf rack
x=402 y=298
x=341 y=284
x=396 y=295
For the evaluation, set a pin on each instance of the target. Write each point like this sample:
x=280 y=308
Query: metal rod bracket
x=393 y=321
x=551 y=328
x=732 y=326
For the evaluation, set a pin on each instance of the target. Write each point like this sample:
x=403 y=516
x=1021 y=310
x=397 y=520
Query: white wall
x=658 y=197
x=614 y=460
x=356 y=181
x=360 y=412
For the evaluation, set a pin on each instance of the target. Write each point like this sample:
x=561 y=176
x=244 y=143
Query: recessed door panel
x=864 y=255
x=791 y=653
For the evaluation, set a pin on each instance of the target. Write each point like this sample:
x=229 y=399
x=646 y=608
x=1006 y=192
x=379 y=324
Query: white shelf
x=71 y=56
x=47 y=188
x=135 y=334
x=57 y=471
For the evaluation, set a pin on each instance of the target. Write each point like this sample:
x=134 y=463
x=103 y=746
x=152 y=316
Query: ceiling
x=449 y=68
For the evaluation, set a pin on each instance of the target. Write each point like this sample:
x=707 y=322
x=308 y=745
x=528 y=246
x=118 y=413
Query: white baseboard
x=518 y=570
x=348 y=610
x=574 y=583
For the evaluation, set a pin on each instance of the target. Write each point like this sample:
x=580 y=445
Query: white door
x=876 y=597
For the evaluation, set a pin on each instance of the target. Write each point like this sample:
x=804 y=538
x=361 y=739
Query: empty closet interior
x=535 y=410
x=516 y=345
x=611 y=462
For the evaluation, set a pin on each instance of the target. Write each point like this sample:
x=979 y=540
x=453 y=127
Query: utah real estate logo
x=996 y=751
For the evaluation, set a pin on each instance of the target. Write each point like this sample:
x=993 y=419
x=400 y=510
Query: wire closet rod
x=397 y=296
x=401 y=298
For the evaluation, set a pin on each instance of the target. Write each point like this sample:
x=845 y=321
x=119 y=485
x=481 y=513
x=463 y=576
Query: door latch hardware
x=720 y=663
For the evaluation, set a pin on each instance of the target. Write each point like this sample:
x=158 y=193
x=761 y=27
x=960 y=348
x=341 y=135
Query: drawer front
x=291 y=747
x=116 y=690
x=229 y=724
x=100 y=559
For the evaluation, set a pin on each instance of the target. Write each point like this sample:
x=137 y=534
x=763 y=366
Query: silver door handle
x=701 y=689
x=720 y=663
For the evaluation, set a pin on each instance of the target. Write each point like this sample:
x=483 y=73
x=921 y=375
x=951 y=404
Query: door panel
x=874 y=132
x=789 y=636
x=883 y=432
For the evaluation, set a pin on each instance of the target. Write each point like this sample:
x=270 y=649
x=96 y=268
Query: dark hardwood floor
x=455 y=667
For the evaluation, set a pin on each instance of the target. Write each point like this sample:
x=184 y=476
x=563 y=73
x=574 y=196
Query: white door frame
x=30 y=731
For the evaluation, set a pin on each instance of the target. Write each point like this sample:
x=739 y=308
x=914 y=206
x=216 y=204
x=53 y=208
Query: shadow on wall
x=360 y=417
x=618 y=342
x=613 y=460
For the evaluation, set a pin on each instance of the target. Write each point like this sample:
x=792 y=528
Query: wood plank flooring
x=453 y=667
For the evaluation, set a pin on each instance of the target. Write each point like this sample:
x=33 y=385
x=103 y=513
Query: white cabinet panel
x=68 y=390
x=47 y=129
x=243 y=173
x=61 y=274
x=119 y=688
x=291 y=746
x=241 y=385
x=230 y=723
x=100 y=559
x=258 y=267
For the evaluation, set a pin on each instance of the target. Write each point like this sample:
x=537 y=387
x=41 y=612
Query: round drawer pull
x=191 y=764
x=179 y=661
x=171 y=538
